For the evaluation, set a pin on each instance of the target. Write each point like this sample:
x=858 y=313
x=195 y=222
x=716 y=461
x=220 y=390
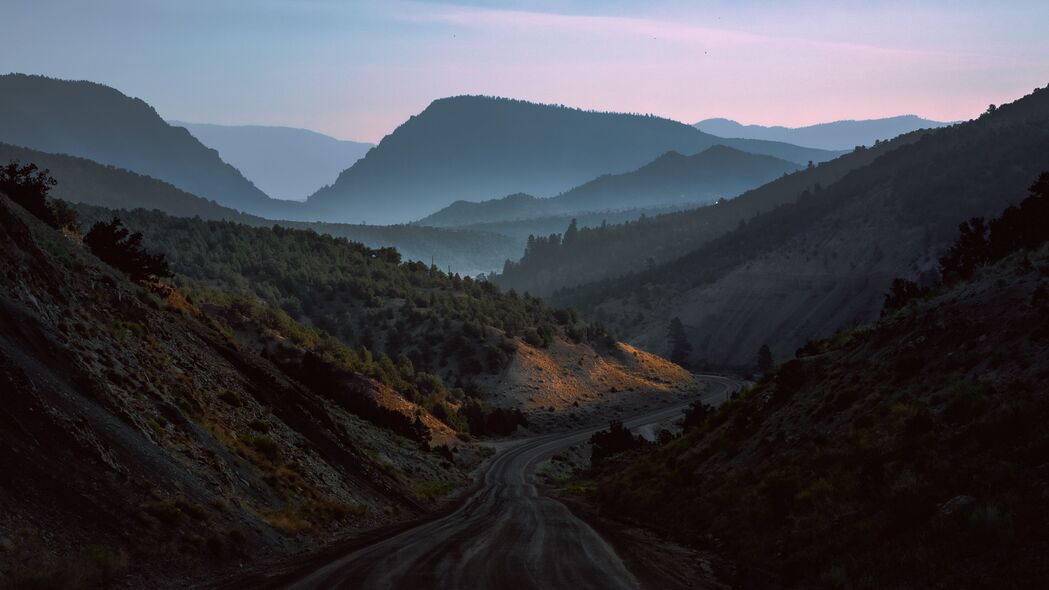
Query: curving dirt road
x=504 y=536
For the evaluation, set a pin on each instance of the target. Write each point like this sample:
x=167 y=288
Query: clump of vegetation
x=30 y=187
x=115 y=245
x=32 y=565
x=1022 y=227
x=617 y=439
x=486 y=420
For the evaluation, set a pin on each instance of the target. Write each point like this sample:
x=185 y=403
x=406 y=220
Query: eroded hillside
x=138 y=430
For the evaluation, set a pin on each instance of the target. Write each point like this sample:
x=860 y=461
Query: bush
x=900 y=294
x=484 y=420
x=116 y=246
x=30 y=187
x=616 y=439
x=696 y=415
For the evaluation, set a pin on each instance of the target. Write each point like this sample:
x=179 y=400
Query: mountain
x=605 y=251
x=99 y=123
x=808 y=268
x=472 y=147
x=836 y=135
x=906 y=454
x=284 y=162
x=468 y=252
x=670 y=180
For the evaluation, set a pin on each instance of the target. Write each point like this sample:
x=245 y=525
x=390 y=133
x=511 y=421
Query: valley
x=454 y=295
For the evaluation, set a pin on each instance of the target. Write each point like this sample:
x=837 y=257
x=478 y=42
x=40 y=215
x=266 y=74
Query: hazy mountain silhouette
x=285 y=162
x=672 y=179
x=836 y=135
x=473 y=147
x=97 y=122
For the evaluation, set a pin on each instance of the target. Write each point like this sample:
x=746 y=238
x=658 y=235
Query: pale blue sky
x=357 y=69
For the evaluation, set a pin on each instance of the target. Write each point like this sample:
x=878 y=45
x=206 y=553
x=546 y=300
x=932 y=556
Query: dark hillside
x=603 y=252
x=139 y=433
x=908 y=455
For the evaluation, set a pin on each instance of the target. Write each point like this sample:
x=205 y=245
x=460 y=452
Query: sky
x=357 y=69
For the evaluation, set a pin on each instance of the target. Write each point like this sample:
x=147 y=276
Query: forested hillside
x=144 y=433
x=520 y=229
x=804 y=270
x=409 y=312
x=473 y=147
x=606 y=251
x=875 y=459
x=85 y=181
x=672 y=179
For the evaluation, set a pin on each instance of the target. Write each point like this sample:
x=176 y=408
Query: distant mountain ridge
x=472 y=147
x=95 y=185
x=284 y=162
x=834 y=135
x=97 y=122
x=670 y=180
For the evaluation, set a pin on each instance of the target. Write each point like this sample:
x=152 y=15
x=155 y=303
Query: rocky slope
x=140 y=434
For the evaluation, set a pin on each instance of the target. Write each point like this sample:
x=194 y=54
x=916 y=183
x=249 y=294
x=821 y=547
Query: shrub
x=616 y=439
x=116 y=246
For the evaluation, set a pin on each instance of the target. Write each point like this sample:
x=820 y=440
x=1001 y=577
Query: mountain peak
x=472 y=147
x=100 y=123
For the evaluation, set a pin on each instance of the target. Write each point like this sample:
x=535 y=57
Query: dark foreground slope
x=909 y=455
x=473 y=147
x=139 y=434
x=804 y=270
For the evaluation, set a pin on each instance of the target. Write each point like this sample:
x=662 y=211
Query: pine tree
x=764 y=358
x=677 y=341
